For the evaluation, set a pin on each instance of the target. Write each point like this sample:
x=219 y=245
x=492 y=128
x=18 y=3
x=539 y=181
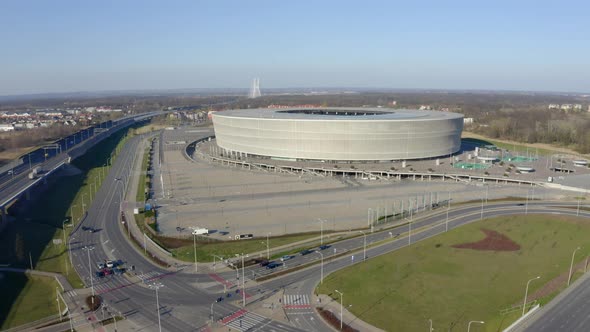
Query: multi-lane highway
x=186 y=299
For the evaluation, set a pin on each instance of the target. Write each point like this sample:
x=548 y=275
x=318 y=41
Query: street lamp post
x=83 y=204
x=267 y=246
x=88 y=249
x=321 y=267
x=526 y=292
x=481 y=215
x=341 y=296
x=211 y=314
x=195 y=251
x=156 y=287
x=569 y=278
x=364 y=245
x=447 y=222
x=243 y=280
x=66 y=245
x=321 y=230
x=474 y=321
x=430 y=329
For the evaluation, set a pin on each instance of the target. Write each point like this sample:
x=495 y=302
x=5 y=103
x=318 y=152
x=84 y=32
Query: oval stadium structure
x=339 y=134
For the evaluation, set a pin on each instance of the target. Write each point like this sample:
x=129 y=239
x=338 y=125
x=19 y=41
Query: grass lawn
x=142 y=182
x=230 y=248
x=36 y=301
x=400 y=291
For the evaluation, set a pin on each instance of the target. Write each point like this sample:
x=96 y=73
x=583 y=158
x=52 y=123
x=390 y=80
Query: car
x=325 y=246
x=219 y=299
x=305 y=252
x=99 y=274
x=272 y=265
x=520 y=204
x=110 y=264
x=119 y=270
x=286 y=258
x=107 y=271
x=101 y=265
x=264 y=263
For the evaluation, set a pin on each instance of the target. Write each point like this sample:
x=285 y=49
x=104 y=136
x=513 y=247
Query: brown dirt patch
x=493 y=241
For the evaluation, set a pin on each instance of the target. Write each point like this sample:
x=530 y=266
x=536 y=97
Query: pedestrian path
x=296 y=301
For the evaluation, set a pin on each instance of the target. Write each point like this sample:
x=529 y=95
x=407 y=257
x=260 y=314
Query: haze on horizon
x=110 y=45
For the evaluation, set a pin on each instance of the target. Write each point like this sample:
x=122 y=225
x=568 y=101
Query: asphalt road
x=186 y=298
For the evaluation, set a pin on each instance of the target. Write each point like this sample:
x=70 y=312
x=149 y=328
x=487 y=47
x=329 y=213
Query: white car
x=286 y=258
x=110 y=264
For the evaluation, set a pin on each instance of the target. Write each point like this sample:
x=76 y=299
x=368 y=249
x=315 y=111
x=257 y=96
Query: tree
x=19 y=247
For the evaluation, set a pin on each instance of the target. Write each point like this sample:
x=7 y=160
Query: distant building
x=6 y=127
x=566 y=107
x=425 y=107
x=467 y=120
x=553 y=106
x=577 y=107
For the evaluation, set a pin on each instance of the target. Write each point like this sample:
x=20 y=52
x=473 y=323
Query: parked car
x=286 y=258
x=107 y=271
x=324 y=247
x=119 y=270
x=110 y=264
x=101 y=265
x=272 y=265
x=306 y=252
x=99 y=274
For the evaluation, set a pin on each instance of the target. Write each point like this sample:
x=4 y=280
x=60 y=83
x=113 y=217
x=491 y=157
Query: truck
x=34 y=173
x=200 y=231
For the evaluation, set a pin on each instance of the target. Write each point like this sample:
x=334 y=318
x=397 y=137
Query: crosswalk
x=71 y=293
x=149 y=275
x=296 y=301
x=243 y=320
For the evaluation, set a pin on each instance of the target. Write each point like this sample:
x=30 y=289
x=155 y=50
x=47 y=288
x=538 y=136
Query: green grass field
x=39 y=223
x=228 y=249
x=36 y=300
x=400 y=291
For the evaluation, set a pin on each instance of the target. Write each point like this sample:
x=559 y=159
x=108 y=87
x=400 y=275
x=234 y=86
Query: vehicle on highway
x=272 y=265
x=305 y=252
x=264 y=263
x=219 y=299
x=325 y=246
x=88 y=229
x=286 y=258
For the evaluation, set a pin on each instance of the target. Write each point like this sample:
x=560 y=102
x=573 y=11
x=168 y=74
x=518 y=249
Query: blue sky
x=58 y=46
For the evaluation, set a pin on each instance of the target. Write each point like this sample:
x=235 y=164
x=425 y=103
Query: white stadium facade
x=339 y=134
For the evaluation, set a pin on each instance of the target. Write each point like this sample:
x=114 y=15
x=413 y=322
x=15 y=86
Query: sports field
x=485 y=273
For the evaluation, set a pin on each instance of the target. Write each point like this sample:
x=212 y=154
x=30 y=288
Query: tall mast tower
x=254 y=89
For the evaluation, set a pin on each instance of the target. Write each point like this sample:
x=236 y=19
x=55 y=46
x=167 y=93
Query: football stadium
x=339 y=134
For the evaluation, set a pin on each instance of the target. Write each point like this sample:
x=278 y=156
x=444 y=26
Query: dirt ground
x=494 y=241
